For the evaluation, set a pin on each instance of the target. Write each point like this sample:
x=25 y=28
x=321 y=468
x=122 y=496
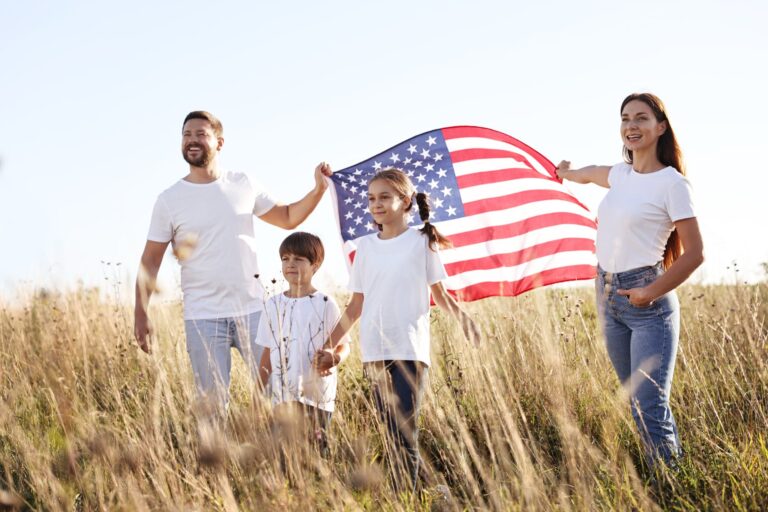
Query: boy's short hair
x=304 y=244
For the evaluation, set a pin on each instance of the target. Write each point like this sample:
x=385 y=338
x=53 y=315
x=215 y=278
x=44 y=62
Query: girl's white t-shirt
x=213 y=224
x=294 y=329
x=394 y=277
x=638 y=214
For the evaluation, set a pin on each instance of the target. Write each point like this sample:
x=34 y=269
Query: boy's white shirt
x=294 y=329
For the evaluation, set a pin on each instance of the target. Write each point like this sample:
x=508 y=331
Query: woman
x=648 y=243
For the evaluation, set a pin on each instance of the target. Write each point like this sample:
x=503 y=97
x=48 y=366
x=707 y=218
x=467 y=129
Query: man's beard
x=201 y=161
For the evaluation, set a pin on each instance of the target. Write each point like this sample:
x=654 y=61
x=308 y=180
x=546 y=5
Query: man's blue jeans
x=209 y=344
x=642 y=345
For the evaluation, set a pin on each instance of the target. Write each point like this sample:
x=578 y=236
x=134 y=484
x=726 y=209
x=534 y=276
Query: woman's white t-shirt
x=294 y=329
x=394 y=276
x=638 y=214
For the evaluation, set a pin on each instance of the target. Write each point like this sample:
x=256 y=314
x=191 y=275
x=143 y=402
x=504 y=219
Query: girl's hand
x=471 y=331
x=563 y=170
x=322 y=171
x=638 y=297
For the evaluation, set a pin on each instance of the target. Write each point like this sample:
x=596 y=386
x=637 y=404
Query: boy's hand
x=324 y=361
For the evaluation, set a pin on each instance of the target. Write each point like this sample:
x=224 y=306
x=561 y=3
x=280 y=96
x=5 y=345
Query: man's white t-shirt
x=294 y=329
x=638 y=214
x=394 y=277
x=215 y=222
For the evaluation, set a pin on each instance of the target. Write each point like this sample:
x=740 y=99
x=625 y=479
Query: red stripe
x=485 y=177
x=513 y=259
x=518 y=198
x=456 y=132
x=510 y=289
x=545 y=220
x=463 y=155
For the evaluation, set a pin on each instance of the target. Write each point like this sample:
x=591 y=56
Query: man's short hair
x=305 y=245
x=218 y=129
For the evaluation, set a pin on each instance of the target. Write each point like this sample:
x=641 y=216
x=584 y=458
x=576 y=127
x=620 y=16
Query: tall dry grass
x=533 y=420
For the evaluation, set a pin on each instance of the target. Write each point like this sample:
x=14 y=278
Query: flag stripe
x=493 y=164
x=495 y=176
x=486 y=234
x=505 y=288
x=516 y=199
x=512 y=259
x=504 y=188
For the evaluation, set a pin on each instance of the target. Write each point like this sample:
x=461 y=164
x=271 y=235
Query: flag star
x=437 y=202
x=363 y=193
x=348 y=215
x=376 y=165
x=353 y=189
x=358 y=172
x=451 y=210
x=369 y=226
x=433 y=184
x=409 y=173
x=425 y=153
x=431 y=140
x=441 y=173
x=344 y=185
x=395 y=157
x=429 y=167
x=421 y=178
x=348 y=200
x=409 y=217
x=351 y=231
x=358 y=220
x=358 y=205
x=412 y=148
x=438 y=157
x=417 y=164
x=446 y=191
x=352 y=179
x=432 y=214
x=407 y=160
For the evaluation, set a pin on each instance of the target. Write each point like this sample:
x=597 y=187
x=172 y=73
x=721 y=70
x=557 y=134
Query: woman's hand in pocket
x=638 y=297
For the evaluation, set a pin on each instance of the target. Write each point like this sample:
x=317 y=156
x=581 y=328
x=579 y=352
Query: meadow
x=534 y=419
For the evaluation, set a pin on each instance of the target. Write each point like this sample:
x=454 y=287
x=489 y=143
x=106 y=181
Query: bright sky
x=93 y=96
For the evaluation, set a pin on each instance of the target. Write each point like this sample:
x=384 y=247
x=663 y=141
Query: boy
x=294 y=326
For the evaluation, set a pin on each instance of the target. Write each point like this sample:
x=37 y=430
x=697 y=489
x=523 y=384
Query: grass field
x=532 y=420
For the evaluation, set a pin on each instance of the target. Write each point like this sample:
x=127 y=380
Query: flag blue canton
x=427 y=162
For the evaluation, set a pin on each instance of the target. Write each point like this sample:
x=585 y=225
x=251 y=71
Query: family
x=648 y=243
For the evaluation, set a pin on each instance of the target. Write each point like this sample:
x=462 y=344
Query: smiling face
x=640 y=130
x=199 y=143
x=386 y=204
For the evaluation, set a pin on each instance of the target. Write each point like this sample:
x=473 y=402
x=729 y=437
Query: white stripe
x=503 y=188
x=493 y=164
x=516 y=243
x=483 y=143
x=518 y=272
x=510 y=215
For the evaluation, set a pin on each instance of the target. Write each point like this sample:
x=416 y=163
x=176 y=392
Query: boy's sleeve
x=332 y=316
x=265 y=334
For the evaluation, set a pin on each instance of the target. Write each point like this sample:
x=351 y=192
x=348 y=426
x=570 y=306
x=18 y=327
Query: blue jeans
x=642 y=345
x=209 y=344
x=398 y=388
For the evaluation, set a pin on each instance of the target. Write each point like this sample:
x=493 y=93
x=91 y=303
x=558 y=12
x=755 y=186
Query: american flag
x=513 y=225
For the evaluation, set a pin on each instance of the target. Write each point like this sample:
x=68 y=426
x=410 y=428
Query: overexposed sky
x=92 y=97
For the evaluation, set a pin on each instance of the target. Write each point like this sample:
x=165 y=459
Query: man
x=208 y=218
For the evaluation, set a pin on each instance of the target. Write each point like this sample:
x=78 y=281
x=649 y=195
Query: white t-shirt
x=394 y=277
x=294 y=330
x=216 y=220
x=638 y=214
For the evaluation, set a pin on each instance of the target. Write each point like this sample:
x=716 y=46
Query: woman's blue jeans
x=642 y=345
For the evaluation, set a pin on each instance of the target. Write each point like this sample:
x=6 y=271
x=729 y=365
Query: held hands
x=322 y=171
x=638 y=297
x=324 y=361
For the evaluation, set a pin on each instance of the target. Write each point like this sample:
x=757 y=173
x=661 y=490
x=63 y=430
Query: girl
x=648 y=243
x=392 y=276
